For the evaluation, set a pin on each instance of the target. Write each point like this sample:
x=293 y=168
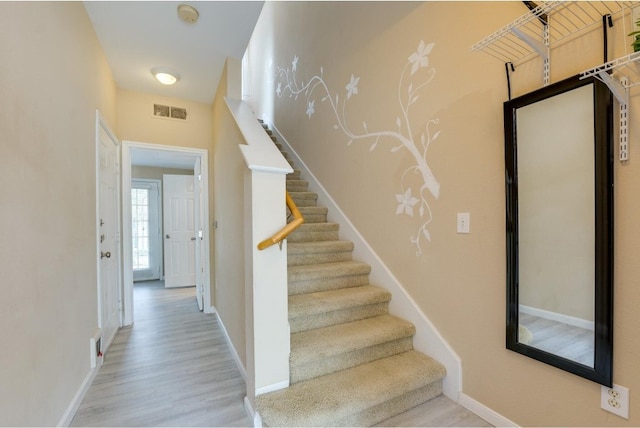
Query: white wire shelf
x=522 y=39
x=625 y=66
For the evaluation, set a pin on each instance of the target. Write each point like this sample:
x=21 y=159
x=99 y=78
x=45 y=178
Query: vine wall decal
x=403 y=137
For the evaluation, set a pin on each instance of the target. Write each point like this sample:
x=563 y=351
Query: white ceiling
x=139 y=35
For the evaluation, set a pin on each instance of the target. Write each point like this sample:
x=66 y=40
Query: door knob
x=103 y=254
x=167 y=236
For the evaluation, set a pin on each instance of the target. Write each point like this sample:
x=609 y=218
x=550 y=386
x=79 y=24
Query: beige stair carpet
x=351 y=362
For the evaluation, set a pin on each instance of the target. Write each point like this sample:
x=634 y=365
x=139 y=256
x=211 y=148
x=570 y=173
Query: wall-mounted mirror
x=559 y=201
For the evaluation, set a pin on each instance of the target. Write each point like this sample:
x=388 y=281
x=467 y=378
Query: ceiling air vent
x=169 y=112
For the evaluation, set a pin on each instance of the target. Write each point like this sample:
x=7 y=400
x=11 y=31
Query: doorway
x=153 y=155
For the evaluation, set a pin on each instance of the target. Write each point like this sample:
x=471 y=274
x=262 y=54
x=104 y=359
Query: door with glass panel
x=146 y=230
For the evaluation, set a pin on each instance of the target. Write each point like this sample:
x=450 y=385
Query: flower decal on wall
x=415 y=140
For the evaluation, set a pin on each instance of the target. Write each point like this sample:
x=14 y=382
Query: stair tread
x=329 y=398
x=320 y=270
x=326 y=342
x=322 y=302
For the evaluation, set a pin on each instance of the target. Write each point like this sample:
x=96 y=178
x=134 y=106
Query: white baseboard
x=253 y=414
x=427 y=338
x=72 y=408
x=489 y=415
x=554 y=316
x=272 y=387
x=234 y=353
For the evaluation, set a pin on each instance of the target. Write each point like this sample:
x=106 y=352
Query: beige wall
x=53 y=78
x=136 y=122
x=228 y=195
x=457 y=280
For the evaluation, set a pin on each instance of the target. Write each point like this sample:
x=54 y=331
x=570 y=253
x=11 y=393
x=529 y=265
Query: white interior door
x=108 y=236
x=197 y=185
x=179 y=230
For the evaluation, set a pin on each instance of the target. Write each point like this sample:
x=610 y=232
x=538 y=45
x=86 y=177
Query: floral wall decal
x=415 y=76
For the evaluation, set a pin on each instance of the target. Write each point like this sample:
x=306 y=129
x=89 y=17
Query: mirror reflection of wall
x=556 y=197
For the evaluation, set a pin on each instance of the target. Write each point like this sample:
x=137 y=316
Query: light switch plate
x=463 y=223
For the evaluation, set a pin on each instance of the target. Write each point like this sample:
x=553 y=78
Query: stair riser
x=393 y=407
x=313 y=258
x=322 y=366
x=297 y=186
x=310 y=322
x=302 y=201
x=325 y=284
x=312 y=218
x=303 y=236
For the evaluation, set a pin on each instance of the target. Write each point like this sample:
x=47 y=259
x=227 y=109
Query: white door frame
x=127 y=146
x=101 y=123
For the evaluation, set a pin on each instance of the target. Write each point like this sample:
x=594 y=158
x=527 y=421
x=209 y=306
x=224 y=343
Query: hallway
x=171 y=368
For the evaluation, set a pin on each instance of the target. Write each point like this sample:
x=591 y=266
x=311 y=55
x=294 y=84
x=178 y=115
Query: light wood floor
x=558 y=338
x=173 y=368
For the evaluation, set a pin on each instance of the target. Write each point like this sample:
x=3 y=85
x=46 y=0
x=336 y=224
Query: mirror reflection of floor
x=564 y=340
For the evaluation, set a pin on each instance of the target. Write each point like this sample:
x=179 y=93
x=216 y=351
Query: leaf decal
x=414 y=99
x=373 y=146
x=427 y=235
x=421 y=210
x=410 y=88
x=435 y=135
x=398 y=121
x=349 y=142
x=364 y=125
x=395 y=149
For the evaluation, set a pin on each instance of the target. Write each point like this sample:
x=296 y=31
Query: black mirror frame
x=602 y=371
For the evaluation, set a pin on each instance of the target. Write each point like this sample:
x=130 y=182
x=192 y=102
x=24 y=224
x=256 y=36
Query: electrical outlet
x=615 y=400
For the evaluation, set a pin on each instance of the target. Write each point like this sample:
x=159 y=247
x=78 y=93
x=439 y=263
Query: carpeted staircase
x=351 y=363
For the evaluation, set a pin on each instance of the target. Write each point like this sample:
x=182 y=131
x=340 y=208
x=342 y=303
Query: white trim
x=72 y=408
x=253 y=414
x=127 y=270
x=427 y=338
x=562 y=318
x=489 y=415
x=236 y=357
x=273 y=387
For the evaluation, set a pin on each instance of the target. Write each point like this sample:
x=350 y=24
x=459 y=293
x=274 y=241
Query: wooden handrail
x=285 y=231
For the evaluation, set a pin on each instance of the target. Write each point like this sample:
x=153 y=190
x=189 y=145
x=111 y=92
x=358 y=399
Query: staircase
x=351 y=362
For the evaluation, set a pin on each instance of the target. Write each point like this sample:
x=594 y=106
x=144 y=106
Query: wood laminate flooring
x=173 y=367
x=571 y=342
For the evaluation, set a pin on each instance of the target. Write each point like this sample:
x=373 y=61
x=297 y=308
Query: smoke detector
x=188 y=13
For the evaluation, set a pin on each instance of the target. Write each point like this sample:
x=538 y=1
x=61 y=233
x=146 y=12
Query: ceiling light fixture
x=165 y=76
x=188 y=13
